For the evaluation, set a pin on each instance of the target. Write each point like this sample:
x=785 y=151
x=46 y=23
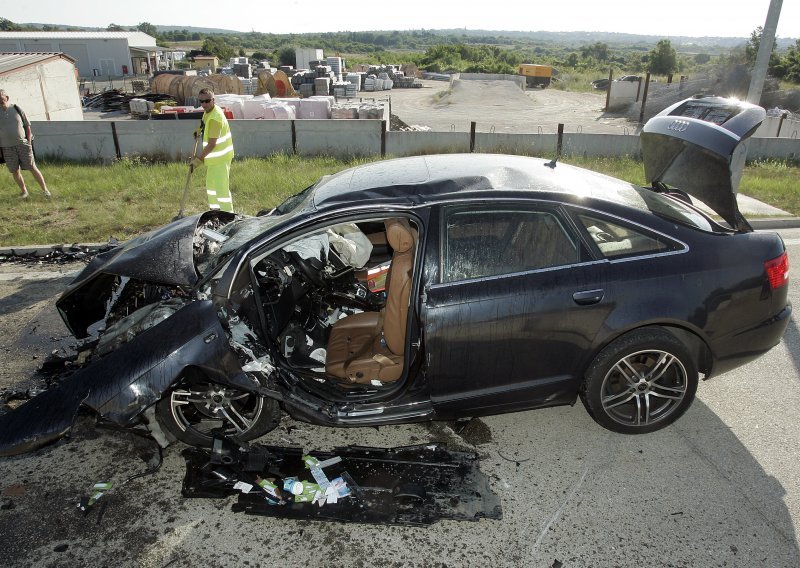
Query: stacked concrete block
x=322 y=85
x=335 y=63
x=344 y=111
x=315 y=108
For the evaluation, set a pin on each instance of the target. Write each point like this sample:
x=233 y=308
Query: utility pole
x=757 y=83
x=764 y=52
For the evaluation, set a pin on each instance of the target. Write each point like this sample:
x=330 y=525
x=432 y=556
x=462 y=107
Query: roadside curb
x=44 y=250
x=759 y=224
x=774 y=223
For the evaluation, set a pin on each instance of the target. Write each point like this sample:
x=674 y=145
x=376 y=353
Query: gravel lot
x=512 y=110
x=504 y=107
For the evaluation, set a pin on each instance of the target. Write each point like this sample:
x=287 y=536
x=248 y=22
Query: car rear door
x=511 y=313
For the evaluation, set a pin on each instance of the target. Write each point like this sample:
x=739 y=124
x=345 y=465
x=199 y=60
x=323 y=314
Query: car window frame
x=574 y=212
x=555 y=209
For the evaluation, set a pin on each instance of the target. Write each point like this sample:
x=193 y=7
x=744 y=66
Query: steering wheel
x=307 y=268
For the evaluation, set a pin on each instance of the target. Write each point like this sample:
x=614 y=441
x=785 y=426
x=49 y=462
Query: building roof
x=14 y=61
x=140 y=38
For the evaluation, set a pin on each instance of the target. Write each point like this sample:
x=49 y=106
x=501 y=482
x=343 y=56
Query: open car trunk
x=692 y=145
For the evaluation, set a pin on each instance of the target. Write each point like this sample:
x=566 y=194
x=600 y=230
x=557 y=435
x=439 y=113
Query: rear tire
x=192 y=409
x=641 y=382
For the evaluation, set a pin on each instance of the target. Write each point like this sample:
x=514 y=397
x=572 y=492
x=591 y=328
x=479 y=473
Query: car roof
x=420 y=179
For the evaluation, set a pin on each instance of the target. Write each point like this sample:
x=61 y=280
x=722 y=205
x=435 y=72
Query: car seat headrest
x=399 y=235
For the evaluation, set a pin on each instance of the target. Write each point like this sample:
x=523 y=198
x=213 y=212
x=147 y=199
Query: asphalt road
x=719 y=488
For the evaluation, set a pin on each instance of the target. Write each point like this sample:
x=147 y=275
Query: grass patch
x=776 y=182
x=92 y=203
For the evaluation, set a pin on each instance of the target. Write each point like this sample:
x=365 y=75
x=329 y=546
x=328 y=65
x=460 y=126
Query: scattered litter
x=98 y=490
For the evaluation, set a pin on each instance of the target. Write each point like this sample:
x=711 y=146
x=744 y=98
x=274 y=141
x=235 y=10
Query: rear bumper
x=744 y=346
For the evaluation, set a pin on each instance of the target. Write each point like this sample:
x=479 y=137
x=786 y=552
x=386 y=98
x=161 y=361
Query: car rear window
x=673 y=209
x=670 y=208
x=617 y=241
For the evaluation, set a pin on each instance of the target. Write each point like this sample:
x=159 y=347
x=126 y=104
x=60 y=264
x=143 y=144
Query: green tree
x=662 y=60
x=774 y=67
x=702 y=58
x=572 y=60
x=598 y=50
x=148 y=28
x=751 y=48
x=788 y=66
x=9 y=26
x=114 y=28
x=216 y=45
x=287 y=56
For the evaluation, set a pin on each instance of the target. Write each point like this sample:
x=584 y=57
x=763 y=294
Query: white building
x=44 y=85
x=96 y=54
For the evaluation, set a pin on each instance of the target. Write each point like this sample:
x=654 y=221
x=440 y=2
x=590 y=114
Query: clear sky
x=736 y=18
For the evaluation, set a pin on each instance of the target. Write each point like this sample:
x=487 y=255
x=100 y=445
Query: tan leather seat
x=370 y=346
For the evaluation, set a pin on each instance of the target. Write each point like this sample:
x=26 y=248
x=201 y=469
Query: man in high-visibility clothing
x=217 y=153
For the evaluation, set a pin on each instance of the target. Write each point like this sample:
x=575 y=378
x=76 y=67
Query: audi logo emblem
x=678 y=125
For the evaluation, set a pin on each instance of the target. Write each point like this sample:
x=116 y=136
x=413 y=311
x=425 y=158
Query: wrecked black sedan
x=432 y=287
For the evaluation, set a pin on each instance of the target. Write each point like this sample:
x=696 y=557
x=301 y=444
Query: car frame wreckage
x=431 y=287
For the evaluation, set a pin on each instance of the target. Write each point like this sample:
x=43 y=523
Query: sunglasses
x=204 y=101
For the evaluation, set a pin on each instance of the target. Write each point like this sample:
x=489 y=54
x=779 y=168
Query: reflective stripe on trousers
x=217 y=188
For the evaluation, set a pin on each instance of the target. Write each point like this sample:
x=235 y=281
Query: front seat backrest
x=398 y=284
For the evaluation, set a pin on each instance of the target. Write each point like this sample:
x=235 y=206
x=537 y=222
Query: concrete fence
x=105 y=141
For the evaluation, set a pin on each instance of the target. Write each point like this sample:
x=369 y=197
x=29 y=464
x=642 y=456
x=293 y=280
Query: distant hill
x=192 y=30
x=612 y=38
x=569 y=38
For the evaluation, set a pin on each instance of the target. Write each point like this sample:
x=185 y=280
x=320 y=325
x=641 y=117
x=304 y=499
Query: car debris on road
x=412 y=485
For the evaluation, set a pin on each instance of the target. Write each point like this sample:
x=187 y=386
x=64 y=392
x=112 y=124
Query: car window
x=615 y=240
x=487 y=243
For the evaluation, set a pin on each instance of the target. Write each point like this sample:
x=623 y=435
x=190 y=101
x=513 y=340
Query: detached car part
x=412 y=485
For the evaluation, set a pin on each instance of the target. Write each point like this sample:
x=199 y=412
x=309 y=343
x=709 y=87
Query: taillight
x=778 y=271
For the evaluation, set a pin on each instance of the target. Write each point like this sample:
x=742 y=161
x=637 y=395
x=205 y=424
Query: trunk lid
x=692 y=144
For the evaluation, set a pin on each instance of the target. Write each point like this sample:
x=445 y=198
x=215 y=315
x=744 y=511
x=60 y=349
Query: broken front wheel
x=193 y=409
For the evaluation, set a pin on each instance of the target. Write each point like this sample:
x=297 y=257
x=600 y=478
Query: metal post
x=644 y=97
x=608 y=87
x=471 y=137
x=116 y=139
x=560 y=140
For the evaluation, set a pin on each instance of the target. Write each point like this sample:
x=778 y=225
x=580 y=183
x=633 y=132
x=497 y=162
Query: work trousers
x=218 y=188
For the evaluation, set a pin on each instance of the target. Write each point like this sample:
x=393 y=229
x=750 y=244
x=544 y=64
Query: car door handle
x=588 y=297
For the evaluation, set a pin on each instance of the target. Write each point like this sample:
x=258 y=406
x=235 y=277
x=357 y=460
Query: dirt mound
x=496 y=93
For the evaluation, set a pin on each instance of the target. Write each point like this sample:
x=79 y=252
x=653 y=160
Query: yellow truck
x=536 y=75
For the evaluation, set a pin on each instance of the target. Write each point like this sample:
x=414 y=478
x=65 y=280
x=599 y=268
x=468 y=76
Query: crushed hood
x=691 y=146
x=163 y=256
